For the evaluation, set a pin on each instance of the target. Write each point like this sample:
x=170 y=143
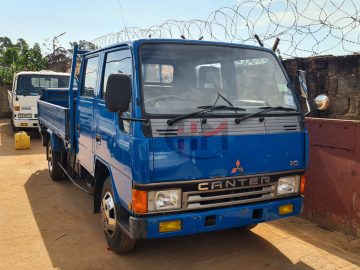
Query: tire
x=54 y=158
x=14 y=129
x=116 y=238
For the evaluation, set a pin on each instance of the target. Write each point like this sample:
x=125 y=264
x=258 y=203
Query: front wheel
x=14 y=129
x=54 y=158
x=116 y=238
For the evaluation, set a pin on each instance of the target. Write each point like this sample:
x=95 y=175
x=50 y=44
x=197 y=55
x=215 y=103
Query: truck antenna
x=122 y=16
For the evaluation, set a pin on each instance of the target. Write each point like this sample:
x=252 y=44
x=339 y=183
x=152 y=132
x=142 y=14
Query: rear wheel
x=54 y=158
x=116 y=238
x=14 y=129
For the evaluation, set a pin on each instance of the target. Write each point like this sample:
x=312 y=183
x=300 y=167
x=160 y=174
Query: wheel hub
x=108 y=214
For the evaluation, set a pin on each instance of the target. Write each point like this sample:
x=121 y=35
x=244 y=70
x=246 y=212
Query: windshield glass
x=177 y=79
x=32 y=85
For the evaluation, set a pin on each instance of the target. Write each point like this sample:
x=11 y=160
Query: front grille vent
x=226 y=197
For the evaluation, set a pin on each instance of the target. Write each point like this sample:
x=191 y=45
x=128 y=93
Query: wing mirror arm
x=144 y=120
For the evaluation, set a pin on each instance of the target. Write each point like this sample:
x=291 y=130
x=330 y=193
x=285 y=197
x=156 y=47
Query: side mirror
x=304 y=90
x=322 y=102
x=303 y=83
x=118 y=93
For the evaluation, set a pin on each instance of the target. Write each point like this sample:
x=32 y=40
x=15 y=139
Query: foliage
x=15 y=57
x=18 y=57
x=84 y=45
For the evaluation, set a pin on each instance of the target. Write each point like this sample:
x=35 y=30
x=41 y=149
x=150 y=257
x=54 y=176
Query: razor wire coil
x=305 y=27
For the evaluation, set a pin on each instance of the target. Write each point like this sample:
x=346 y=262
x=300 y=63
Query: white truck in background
x=26 y=89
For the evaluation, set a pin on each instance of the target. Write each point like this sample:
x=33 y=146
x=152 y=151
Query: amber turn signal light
x=302 y=184
x=139 y=201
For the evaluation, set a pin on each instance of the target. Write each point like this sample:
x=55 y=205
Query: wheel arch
x=45 y=135
x=102 y=171
x=56 y=142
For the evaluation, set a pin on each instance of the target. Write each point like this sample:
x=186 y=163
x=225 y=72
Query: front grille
x=226 y=197
x=24 y=115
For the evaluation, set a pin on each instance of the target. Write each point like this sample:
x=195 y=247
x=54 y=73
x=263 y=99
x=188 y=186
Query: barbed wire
x=305 y=27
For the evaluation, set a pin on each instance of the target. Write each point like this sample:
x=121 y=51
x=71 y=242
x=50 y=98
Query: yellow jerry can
x=22 y=140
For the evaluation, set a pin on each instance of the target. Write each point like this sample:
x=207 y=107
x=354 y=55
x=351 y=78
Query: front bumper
x=25 y=123
x=225 y=218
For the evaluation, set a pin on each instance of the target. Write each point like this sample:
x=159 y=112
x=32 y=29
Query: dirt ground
x=46 y=225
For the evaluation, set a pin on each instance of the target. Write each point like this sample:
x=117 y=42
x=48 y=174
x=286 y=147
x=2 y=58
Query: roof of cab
x=42 y=72
x=138 y=42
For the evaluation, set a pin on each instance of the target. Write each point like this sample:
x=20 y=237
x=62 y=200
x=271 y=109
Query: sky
x=38 y=20
x=331 y=21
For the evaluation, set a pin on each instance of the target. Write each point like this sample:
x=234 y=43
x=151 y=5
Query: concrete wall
x=339 y=77
x=4 y=105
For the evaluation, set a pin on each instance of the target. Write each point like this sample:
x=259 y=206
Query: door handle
x=98 y=139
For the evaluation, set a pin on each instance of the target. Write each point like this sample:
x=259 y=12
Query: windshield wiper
x=224 y=98
x=265 y=110
x=218 y=96
x=206 y=109
x=230 y=107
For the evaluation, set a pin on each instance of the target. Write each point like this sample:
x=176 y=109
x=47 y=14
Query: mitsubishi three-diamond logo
x=237 y=168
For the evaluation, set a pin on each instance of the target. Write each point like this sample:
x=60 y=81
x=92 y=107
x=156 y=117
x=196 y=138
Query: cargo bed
x=53 y=112
x=54 y=117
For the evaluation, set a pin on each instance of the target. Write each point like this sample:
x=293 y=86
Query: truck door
x=85 y=112
x=113 y=135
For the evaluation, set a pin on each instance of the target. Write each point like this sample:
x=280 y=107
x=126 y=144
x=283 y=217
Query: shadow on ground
x=74 y=239
x=330 y=241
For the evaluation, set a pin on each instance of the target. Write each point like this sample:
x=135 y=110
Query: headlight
x=288 y=185
x=164 y=200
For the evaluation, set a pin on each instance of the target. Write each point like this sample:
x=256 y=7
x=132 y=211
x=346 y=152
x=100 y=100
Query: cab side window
x=90 y=77
x=116 y=62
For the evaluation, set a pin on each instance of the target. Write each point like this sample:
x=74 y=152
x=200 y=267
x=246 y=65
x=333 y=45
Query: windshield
x=32 y=85
x=177 y=79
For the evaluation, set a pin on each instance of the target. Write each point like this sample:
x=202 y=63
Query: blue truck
x=178 y=137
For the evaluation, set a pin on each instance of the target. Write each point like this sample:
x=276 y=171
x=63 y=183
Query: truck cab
x=177 y=137
x=26 y=90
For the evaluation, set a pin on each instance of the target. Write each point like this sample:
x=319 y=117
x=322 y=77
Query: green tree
x=36 y=60
x=18 y=57
x=5 y=42
x=84 y=45
x=9 y=64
